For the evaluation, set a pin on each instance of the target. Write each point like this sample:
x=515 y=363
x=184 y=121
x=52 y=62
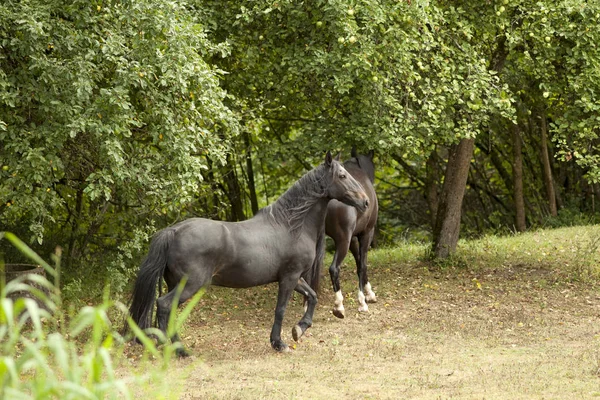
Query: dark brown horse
x=353 y=229
x=282 y=243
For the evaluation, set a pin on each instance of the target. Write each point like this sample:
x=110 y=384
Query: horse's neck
x=301 y=201
x=304 y=214
x=356 y=171
x=353 y=166
x=315 y=217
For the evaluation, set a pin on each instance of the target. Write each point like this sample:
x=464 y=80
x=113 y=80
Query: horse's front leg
x=306 y=322
x=286 y=286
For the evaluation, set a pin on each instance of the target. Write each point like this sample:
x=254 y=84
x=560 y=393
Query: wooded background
x=118 y=118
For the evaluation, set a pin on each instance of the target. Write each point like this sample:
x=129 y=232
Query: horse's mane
x=292 y=206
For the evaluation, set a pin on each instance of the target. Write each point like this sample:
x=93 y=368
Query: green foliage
x=40 y=354
x=118 y=118
x=553 y=61
x=388 y=75
x=47 y=353
x=107 y=110
x=570 y=216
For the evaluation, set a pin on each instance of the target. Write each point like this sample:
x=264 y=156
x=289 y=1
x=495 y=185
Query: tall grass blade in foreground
x=41 y=354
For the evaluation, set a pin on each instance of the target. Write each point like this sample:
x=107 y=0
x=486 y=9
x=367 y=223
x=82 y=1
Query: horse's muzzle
x=358 y=200
x=363 y=204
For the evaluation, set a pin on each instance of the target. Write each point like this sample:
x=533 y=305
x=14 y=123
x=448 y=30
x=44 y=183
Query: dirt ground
x=515 y=332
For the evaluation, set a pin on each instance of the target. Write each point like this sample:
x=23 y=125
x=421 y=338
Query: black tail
x=313 y=275
x=151 y=270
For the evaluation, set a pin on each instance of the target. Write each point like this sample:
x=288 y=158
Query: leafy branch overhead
x=118 y=118
x=111 y=103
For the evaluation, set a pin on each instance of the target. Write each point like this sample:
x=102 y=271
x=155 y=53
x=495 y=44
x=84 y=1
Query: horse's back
x=195 y=241
x=199 y=237
x=231 y=254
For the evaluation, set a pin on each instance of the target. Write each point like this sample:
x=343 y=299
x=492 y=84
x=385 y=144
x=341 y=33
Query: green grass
x=573 y=252
x=46 y=352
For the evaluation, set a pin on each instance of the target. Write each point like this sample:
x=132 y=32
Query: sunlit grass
x=573 y=252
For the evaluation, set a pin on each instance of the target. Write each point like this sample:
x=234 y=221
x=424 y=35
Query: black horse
x=344 y=223
x=283 y=243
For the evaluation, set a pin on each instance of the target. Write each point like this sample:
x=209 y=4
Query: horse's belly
x=244 y=275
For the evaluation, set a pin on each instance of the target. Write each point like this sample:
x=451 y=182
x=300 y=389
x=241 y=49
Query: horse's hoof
x=297 y=332
x=182 y=353
x=280 y=347
x=339 y=313
x=371 y=298
x=364 y=308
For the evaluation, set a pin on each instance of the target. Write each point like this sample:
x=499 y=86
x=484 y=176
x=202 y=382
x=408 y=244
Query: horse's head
x=365 y=162
x=343 y=186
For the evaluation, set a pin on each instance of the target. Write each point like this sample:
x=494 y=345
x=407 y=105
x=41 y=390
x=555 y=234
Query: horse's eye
x=342 y=176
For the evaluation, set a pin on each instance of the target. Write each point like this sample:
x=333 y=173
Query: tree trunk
x=431 y=186
x=213 y=209
x=77 y=217
x=547 y=170
x=234 y=192
x=537 y=204
x=596 y=191
x=593 y=201
x=517 y=169
x=447 y=227
x=250 y=172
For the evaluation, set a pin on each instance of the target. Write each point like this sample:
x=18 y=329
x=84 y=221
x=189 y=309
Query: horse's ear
x=353 y=151
x=328 y=158
x=338 y=156
x=371 y=154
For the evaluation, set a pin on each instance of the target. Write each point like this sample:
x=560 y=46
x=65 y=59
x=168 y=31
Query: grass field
x=515 y=317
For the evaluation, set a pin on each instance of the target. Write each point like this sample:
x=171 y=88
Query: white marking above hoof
x=363 y=307
x=339 y=298
x=370 y=298
x=338 y=309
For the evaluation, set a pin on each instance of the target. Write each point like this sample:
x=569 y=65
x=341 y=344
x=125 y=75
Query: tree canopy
x=119 y=117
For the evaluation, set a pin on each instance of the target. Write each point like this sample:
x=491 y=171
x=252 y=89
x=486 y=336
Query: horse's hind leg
x=163 y=312
x=164 y=305
x=370 y=294
x=306 y=321
x=360 y=250
x=341 y=249
x=356 y=249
